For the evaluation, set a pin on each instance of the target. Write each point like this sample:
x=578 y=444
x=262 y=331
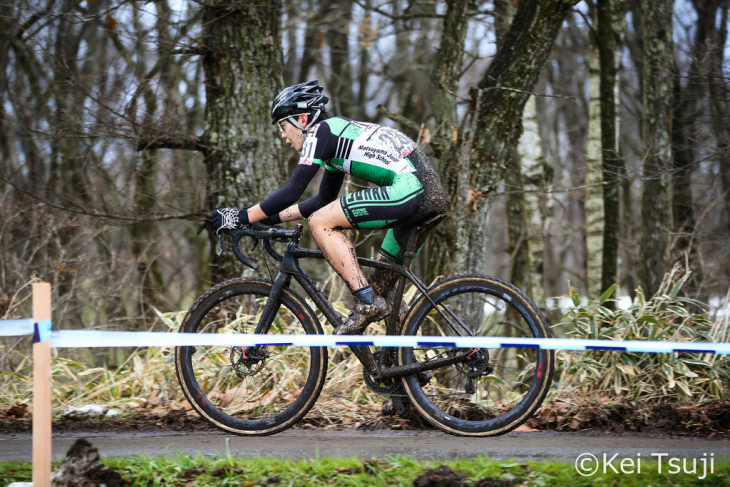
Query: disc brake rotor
x=477 y=365
x=250 y=363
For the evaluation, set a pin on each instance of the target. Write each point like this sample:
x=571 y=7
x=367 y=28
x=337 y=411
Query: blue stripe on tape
x=435 y=344
x=91 y=338
x=42 y=331
x=13 y=328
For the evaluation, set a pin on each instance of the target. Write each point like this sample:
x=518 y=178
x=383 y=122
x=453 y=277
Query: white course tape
x=10 y=328
x=90 y=338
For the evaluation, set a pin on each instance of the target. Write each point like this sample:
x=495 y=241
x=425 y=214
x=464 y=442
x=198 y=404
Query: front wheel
x=495 y=390
x=250 y=390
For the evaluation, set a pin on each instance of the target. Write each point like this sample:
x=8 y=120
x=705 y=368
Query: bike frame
x=290 y=268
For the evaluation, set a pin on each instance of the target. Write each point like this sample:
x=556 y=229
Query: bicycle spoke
x=489 y=387
x=253 y=390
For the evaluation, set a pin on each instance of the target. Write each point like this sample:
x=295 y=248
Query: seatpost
x=408 y=256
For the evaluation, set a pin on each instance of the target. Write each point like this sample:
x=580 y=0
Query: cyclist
x=408 y=193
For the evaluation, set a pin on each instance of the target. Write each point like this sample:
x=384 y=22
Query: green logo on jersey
x=302 y=104
x=360 y=212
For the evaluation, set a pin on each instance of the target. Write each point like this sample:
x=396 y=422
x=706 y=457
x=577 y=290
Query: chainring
x=386 y=387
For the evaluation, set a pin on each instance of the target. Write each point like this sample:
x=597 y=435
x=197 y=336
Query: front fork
x=253 y=352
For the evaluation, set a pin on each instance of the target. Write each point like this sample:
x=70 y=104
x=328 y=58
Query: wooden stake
x=41 y=385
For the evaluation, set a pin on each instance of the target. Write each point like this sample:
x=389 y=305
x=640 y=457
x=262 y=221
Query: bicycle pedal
x=388 y=409
x=400 y=404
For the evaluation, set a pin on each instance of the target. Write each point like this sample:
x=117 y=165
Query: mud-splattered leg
x=326 y=225
x=384 y=283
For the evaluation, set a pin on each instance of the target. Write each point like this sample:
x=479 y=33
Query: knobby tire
x=499 y=400
x=262 y=397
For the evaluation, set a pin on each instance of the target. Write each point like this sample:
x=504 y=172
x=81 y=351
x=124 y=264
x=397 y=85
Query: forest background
x=581 y=143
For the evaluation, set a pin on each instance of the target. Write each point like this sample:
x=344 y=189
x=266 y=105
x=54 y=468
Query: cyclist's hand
x=227 y=219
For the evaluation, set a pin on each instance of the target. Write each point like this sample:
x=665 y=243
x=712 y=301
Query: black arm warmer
x=291 y=191
x=329 y=188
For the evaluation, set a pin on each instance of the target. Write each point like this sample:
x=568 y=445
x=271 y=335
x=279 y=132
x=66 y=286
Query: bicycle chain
x=472 y=368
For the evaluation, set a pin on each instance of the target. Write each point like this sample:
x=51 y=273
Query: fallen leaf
x=472 y=197
x=17 y=411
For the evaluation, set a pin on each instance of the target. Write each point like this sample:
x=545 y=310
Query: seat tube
x=408 y=256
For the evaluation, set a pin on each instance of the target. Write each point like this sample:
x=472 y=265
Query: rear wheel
x=250 y=390
x=495 y=390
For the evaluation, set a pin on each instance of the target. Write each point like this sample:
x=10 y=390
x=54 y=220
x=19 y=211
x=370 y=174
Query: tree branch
x=398 y=17
x=170 y=143
x=190 y=51
x=399 y=118
x=124 y=218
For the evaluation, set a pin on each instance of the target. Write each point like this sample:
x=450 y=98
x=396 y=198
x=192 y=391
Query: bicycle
x=470 y=392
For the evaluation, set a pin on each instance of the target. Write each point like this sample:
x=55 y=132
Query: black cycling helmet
x=297 y=99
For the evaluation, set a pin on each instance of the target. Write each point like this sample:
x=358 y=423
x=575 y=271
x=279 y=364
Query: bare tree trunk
x=444 y=83
x=525 y=218
x=366 y=36
x=715 y=75
x=536 y=178
x=610 y=16
x=594 y=202
x=143 y=234
x=656 y=210
x=313 y=43
x=290 y=66
x=338 y=15
x=515 y=67
x=242 y=147
x=687 y=105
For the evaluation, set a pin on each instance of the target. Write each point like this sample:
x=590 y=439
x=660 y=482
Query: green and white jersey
x=365 y=150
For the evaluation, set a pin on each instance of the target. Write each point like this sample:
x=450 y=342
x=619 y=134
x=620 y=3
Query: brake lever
x=222 y=244
x=255 y=243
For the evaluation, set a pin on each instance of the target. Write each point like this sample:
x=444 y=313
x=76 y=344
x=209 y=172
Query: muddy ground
x=708 y=420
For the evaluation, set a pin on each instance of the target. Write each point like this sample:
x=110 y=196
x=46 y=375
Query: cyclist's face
x=293 y=136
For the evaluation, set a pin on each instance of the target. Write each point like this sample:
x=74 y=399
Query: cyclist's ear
x=303 y=120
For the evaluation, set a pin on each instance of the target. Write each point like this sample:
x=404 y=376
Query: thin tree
x=656 y=210
x=505 y=88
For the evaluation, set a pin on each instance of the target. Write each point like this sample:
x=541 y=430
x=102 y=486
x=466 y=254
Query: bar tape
x=92 y=338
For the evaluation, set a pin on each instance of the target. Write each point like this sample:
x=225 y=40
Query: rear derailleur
x=477 y=364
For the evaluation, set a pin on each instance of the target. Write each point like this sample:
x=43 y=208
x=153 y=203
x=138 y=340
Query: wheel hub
x=477 y=364
x=248 y=362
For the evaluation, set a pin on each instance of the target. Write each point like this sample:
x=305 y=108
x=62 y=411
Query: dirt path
x=378 y=443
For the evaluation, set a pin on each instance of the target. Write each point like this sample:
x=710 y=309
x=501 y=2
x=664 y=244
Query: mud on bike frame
x=381 y=368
